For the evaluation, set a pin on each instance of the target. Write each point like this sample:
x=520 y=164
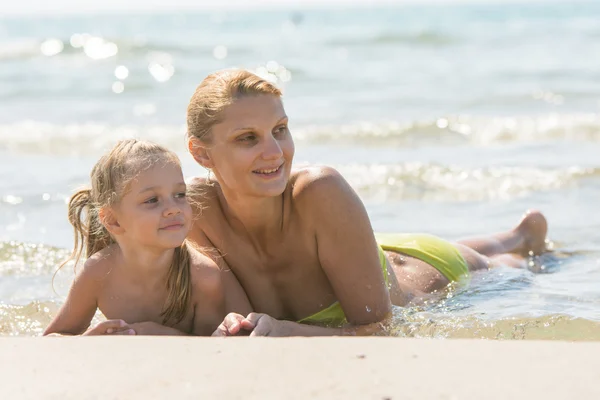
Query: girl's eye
x=151 y=200
x=247 y=138
x=181 y=195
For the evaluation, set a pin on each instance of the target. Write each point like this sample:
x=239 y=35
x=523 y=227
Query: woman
x=300 y=242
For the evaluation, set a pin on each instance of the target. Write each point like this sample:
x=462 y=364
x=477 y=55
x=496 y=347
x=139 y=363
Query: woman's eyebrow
x=251 y=128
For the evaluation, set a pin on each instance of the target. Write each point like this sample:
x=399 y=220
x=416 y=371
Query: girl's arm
x=76 y=313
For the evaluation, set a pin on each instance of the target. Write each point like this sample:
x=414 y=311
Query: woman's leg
x=477 y=261
x=412 y=278
x=527 y=238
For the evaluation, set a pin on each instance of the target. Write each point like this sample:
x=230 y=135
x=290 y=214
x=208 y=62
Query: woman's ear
x=198 y=150
x=108 y=219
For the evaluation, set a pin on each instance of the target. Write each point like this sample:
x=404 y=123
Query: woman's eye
x=281 y=131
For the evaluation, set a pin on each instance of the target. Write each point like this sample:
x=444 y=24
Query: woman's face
x=251 y=150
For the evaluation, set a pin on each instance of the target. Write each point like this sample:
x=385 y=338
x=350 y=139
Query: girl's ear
x=108 y=219
x=199 y=151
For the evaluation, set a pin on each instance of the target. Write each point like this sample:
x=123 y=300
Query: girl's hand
x=110 y=327
x=234 y=325
x=154 y=328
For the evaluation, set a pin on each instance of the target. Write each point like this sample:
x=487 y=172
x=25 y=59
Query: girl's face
x=154 y=211
x=251 y=150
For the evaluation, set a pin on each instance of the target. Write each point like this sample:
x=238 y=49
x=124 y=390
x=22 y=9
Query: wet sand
x=296 y=368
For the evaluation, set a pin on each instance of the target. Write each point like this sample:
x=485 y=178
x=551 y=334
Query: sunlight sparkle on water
x=97 y=48
x=274 y=72
x=79 y=39
x=121 y=72
x=220 y=52
x=161 y=66
x=161 y=73
x=13 y=200
x=51 y=47
x=118 y=87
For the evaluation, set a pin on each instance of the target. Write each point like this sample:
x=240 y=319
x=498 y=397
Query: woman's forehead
x=261 y=108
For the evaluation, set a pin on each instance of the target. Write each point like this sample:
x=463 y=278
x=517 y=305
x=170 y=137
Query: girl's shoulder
x=102 y=261
x=98 y=267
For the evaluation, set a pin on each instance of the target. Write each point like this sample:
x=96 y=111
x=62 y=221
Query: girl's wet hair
x=110 y=179
x=216 y=92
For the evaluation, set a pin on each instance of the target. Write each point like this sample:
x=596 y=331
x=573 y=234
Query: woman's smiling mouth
x=269 y=172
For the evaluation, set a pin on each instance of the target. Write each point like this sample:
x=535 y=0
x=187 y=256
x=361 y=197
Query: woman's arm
x=346 y=245
x=216 y=292
x=256 y=324
x=216 y=287
x=348 y=255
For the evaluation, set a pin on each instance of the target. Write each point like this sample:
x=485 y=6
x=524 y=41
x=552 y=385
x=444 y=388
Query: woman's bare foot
x=533 y=229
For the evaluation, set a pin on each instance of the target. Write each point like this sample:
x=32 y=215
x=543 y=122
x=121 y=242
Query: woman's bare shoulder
x=315 y=180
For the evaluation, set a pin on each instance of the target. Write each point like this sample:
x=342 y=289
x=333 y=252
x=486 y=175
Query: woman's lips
x=268 y=172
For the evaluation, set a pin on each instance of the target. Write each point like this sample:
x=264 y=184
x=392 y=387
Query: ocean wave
x=435 y=182
x=81 y=139
x=460 y=129
x=86 y=138
x=32 y=318
x=26 y=320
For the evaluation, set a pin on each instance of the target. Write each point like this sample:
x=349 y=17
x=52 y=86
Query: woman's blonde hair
x=110 y=178
x=216 y=92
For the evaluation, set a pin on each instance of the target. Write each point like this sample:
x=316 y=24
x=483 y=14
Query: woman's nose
x=271 y=149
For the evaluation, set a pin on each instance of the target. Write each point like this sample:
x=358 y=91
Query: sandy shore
x=295 y=368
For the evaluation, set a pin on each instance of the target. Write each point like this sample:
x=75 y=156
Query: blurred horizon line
x=37 y=8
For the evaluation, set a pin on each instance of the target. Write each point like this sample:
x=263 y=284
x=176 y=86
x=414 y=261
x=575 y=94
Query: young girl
x=140 y=271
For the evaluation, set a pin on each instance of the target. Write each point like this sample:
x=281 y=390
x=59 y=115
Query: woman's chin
x=271 y=189
x=271 y=186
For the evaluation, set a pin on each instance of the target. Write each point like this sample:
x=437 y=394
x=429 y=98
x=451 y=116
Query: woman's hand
x=234 y=325
x=265 y=325
x=255 y=324
x=110 y=327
